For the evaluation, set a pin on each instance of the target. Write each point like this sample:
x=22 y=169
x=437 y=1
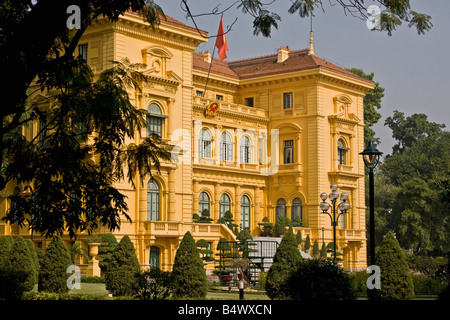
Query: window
x=199 y=93
x=342 y=150
x=154 y=257
x=281 y=207
x=219 y=97
x=245 y=212
x=287 y=100
x=297 y=210
x=204 y=144
x=83 y=51
x=152 y=200
x=245 y=150
x=154 y=120
x=203 y=202
x=225 y=204
x=288 y=151
x=226 y=147
x=14 y=199
x=248 y=102
x=90 y=205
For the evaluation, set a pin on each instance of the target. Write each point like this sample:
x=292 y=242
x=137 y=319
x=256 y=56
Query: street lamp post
x=371 y=158
x=343 y=206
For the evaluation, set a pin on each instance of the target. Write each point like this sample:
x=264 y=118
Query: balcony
x=351 y=235
x=233 y=107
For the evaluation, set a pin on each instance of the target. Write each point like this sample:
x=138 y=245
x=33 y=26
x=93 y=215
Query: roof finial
x=311 y=40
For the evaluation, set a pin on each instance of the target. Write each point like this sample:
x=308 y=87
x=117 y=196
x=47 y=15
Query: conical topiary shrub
x=189 y=276
x=396 y=280
x=20 y=260
x=121 y=275
x=105 y=251
x=5 y=248
x=285 y=260
x=34 y=256
x=53 y=273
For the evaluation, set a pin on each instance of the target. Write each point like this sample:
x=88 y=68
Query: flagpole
x=209 y=71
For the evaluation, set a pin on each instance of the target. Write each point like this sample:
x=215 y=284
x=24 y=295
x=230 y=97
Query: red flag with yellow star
x=221 y=42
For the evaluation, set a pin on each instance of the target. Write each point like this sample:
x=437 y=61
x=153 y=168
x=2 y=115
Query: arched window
x=152 y=200
x=245 y=212
x=281 y=207
x=226 y=147
x=154 y=120
x=342 y=150
x=245 y=149
x=225 y=204
x=297 y=210
x=203 y=202
x=14 y=199
x=154 y=257
x=204 y=144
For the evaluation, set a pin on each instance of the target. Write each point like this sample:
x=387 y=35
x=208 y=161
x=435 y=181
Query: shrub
x=189 y=276
x=319 y=279
x=286 y=257
x=105 y=251
x=267 y=227
x=121 y=274
x=280 y=225
x=396 y=280
x=12 y=284
x=20 y=260
x=53 y=275
x=154 y=285
x=5 y=247
x=34 y=257
x=316 y=249
x=92 y=279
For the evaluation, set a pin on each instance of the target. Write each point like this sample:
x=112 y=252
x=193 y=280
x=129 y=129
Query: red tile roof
x=298 y=60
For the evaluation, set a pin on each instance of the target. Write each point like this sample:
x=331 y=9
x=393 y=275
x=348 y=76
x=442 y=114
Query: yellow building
x=287 y=126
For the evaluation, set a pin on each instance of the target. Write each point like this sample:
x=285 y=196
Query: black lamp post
x=371 y=158
x=342 y=207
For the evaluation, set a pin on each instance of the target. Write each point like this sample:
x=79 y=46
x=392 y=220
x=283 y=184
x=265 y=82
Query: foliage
x=433 y=268
x=5 y=246
x=105 y=251
x=12 y=284
x=206 y=254
x=20 y=260
x=307 y=244
x=320 y=279
x=396 y=280
x=121 y=275
x=53 y=273
x=412 y=185
x=424 y=285
x=371 y=103
x=75 y=250
x=323 y=251
x=280 y=225
x=316 y=249
x=92 y=279
x=227 y=220
x=34 y=257
x=203 y=218
x=267 y=227
x=286 y=258
x=189 y=276
x=154 y=284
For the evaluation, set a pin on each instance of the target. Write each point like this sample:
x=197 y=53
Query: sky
x=412 y=68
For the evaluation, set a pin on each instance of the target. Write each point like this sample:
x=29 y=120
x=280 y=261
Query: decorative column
x=237 y=205
x=171 y=211
x=195 y=200
x=216 y=214
x=170 y=119
x=257 y=216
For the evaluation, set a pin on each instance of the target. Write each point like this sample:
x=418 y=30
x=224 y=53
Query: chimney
x=207 y=56
x=283 y=54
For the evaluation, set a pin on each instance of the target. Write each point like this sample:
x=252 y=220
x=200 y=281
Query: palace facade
x=285 y=127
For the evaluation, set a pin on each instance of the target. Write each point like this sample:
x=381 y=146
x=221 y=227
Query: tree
x=298 y=236
x=206 y=253
x=20 y=260
x=53 y=274
x=316 y=249
x=121 y=275
x=323 y=251
x=105 y=251
x=286 y=258
x=154 y=284
x=372 y=103
x=307 y=244
x=189 y=276
x=75 y=250
x=396 y=280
